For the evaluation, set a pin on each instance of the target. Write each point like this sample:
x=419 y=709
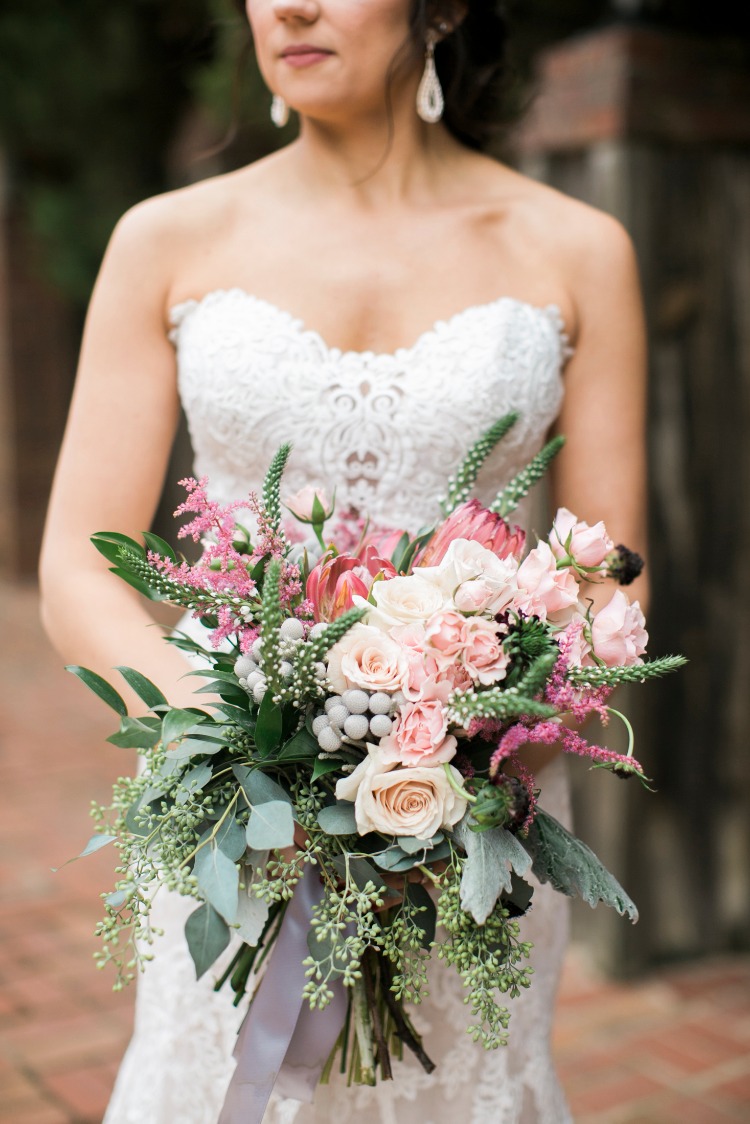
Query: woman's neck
x=372 y=164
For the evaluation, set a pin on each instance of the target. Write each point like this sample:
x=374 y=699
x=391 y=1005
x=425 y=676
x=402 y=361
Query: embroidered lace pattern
x=385 y=429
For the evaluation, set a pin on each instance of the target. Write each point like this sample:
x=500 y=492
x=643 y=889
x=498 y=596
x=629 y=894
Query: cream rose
x=402 y=600
x=475 y=578
x=366 y=657
x=416 y=802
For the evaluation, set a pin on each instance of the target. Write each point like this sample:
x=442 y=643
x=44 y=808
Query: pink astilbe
x=565 y=697
x=549 y=733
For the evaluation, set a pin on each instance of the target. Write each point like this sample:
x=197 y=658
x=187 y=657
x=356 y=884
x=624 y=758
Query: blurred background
x=640 y=107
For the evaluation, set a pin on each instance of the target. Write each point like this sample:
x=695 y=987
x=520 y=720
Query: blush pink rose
x=617 y=632
x=587 y=546
x=445 y=633
x=542 y=588
x=420 y=735
x=484 y=657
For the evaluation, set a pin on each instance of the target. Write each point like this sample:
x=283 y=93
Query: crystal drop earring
x=279 y=111
x=430 y=103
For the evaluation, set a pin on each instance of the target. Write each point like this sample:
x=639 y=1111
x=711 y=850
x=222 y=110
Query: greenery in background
x=93 y=95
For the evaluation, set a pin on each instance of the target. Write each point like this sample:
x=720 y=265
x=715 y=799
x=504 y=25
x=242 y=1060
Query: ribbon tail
x=282 y=1044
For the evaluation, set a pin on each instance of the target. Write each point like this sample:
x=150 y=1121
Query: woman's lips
x=305 y=55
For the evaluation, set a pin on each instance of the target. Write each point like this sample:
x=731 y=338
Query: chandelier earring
x=430 y=102
x=279 y=111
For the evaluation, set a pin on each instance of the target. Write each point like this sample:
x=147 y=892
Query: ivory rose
x=475 y=578
x=420 y=735
x=544 y=590
x=588 y=546
x=402 y=600
x=417 y=801
x=366 y=657
x=617 y=632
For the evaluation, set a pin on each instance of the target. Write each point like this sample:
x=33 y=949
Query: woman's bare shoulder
x=165 y=232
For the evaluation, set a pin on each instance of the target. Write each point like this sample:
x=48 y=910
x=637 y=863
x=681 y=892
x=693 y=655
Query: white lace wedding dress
x=386 y=430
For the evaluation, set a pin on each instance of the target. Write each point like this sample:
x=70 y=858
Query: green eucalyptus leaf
x=100 y=687
x=571 y=867
x=218 y=879
x=410 y=845
x=143 y=687
x=271 y=825
x=338 y=819
x=252 y=915
x=230 y=838
x=116 y=899
x=194 y=781
x=258 y=787
x=207 y=935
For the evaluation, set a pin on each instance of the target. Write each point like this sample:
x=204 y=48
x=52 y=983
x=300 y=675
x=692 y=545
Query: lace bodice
x=384 y=429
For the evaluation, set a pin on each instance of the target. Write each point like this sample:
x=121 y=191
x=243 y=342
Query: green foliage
x=462 y=481
x=490 y=857
x=272 y=485
x=612 y=676
x=509 y=498
x=572 y=868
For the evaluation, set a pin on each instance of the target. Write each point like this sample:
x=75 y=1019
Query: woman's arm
x=601 y=471
x=113 y=460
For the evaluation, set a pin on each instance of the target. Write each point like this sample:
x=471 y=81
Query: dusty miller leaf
x=572 y=868
x=490 y=856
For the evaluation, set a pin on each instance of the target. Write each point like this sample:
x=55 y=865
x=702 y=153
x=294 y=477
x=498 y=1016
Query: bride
x=377 y=292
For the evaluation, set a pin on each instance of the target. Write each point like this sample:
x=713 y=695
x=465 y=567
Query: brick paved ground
x=675 y=1047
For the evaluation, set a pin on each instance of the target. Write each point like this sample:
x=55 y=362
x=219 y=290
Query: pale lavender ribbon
x=283 y=1045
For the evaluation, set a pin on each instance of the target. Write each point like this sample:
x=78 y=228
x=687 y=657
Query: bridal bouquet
x=367 y=700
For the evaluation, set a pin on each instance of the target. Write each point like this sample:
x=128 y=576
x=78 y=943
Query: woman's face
x=330 y=59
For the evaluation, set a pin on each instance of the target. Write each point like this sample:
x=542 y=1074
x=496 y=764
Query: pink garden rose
x=475 y=578
x=588 y=546
x=617 y=632
x=336 y=579
x=472 y=521
x=484 y=656
x=544 y=590
x=420 y=735
x=470 y=643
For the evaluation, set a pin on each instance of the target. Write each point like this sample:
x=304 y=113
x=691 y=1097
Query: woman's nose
x=306 y=11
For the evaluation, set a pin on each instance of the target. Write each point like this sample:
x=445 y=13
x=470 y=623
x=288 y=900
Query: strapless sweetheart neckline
x=180 y=309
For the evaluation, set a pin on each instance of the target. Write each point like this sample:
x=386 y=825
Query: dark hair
x=471 y=65
x=470 y=61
